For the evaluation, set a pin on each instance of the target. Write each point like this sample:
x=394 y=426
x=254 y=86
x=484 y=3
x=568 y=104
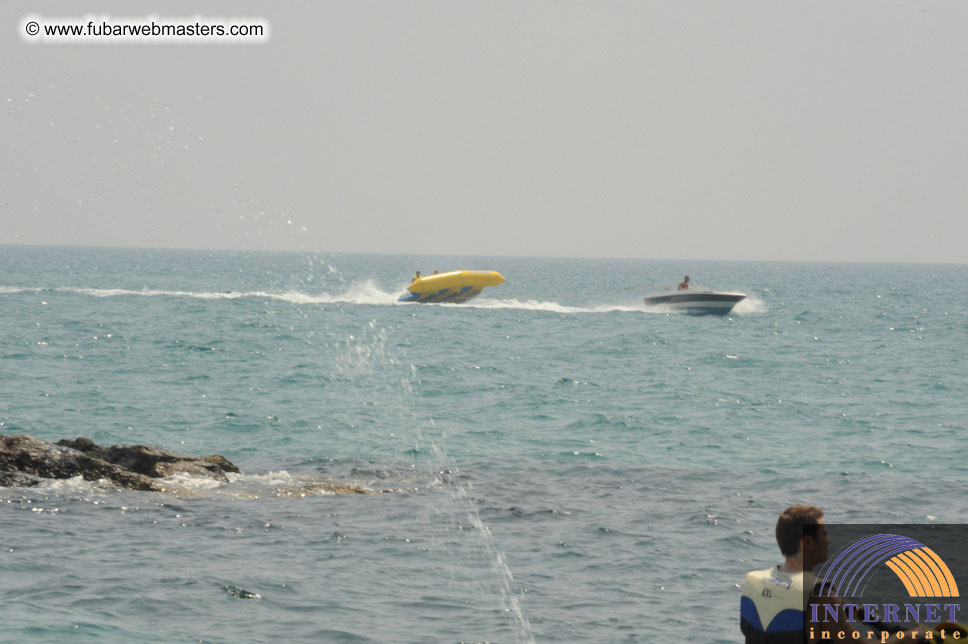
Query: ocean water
x=551 y=462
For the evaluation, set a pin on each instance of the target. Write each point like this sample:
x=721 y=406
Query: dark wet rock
x=154 y=462
x=18 y=479
x=26 y=461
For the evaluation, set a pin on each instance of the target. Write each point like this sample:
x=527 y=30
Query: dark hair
x=796 y=522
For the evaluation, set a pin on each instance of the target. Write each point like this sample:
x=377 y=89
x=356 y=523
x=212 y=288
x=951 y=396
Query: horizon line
x=473 y=254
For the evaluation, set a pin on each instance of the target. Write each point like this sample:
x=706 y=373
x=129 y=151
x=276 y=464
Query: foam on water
x=368 y=293
x=274 y=479
x=362 y=293
x=249 y=486
x=189 y=483
x=546 y=306
x=73 y=484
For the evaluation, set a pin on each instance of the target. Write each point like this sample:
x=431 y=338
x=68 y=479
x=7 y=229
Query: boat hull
x=696 y=302
x=452 y=287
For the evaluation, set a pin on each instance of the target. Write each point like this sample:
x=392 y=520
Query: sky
x=672 y=129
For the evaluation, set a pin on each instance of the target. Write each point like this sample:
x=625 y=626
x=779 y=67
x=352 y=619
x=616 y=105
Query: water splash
x=456 y=517
x=752 y=305
x=499 y=570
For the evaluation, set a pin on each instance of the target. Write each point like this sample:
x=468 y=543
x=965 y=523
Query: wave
x=548 y=306
x=359 y=293
x=272 y=484
x=368 y=293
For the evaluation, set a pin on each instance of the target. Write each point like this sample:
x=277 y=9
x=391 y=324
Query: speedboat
x=453 y=286
x=695 y=301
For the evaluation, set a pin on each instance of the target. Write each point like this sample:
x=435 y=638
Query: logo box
x=888 y=577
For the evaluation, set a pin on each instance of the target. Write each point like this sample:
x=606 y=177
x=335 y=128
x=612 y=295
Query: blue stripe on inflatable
x=459 y=296
x=455 y=296
x=468 y=294
x=438 y=296
x=443 y=295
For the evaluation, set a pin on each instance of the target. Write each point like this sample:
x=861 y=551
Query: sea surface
x=551 y=462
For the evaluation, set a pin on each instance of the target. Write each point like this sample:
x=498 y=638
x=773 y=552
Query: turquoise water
x=555 y=462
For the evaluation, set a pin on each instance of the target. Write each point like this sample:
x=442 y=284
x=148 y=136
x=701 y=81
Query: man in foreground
x=773 y=602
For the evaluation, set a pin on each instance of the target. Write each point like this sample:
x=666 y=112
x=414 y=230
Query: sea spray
x=456 y=525
x=499 y=573
x=454 y=522
x=750 y=306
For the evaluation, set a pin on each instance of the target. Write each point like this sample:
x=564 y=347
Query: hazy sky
x=751 y=129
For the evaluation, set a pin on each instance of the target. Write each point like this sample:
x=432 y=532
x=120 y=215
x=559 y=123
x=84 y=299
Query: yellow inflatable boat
x=454 y=286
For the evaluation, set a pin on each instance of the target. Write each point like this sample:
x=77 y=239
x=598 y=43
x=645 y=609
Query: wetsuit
x=771 y=609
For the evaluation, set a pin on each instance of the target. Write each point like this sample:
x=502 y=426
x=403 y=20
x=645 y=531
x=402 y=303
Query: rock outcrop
x=26 y=461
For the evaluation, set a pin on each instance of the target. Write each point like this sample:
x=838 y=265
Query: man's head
x=801 y=531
